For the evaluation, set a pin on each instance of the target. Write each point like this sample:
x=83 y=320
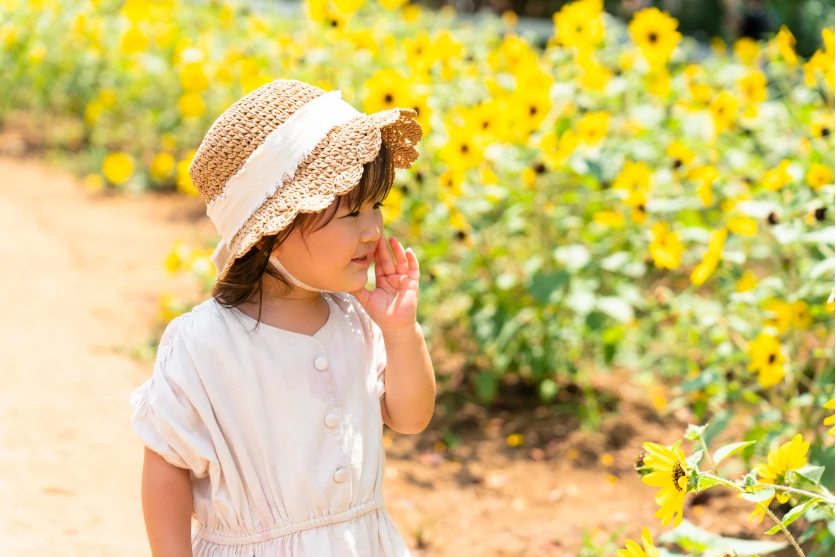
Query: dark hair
x=244 y=280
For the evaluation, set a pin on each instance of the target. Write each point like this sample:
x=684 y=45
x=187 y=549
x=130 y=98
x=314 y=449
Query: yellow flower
x=191 y=105
x=162 y=166
x=781 y=461
x=747 y=282
x=634 y=550
x=94 y=183
x=633 y=178
x=830 y=420
x=531 y=109
x=515 y=440
x=819 y=175
x=777 y=178
x=666 y=248
x=753 y=87
x=822 y=125
x=384 y=90
x=392 y=207
x=681 y=155
x=654 y=32
x=463 y=150
x=700 y=92
x=723 y=109
x=743 y=226
x=786 y=46
x=184 y=179
x=486 y=119
x=117 y=168
x=746 y=50
x=193 y=77
x=766 y=359
x=670 y=474
x=134 y=41
x=711 y=258
x=594 y=76
x=593 y=128
x=580 y=24
x=609 y=218
x=392 y=4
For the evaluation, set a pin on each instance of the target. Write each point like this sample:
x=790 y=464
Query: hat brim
x=333 y=168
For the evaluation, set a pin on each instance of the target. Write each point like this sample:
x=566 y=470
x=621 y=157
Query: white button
x=321 y=363
x=331 y=420
x=340 y=476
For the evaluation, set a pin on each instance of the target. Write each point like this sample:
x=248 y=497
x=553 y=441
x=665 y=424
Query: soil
x=82 y=275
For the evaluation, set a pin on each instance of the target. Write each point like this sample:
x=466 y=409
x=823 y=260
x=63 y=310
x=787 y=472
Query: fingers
x=384 y=264
x=400 y=256
x=411 y=259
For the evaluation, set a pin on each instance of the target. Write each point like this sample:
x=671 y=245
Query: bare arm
x=407 y=406
x=167 y=506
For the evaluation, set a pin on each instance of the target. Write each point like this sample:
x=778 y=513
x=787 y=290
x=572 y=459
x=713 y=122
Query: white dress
x=281 y=431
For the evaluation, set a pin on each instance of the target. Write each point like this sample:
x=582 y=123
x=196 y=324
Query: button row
x=321 y=363
x=340 y=475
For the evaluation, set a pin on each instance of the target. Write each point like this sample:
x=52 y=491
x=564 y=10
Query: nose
x=372 y=228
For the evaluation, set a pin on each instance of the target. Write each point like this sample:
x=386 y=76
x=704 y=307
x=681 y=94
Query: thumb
x=362 y=295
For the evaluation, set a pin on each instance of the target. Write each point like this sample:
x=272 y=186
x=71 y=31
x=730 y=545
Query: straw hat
x=288 y=148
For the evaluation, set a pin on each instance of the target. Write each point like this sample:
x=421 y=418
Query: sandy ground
x=81 y=276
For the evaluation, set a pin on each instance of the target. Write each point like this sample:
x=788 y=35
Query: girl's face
x=338 y=255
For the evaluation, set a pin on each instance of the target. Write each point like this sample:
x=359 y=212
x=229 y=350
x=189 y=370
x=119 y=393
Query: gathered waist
x=244 y=538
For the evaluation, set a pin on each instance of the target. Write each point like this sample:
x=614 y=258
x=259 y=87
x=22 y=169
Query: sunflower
x=776 y=178
x=746 y=50
x=830 y=420
x=723 y=109
x=747 y=282
x=680 y=154
x=752 y=87
x=532 y=109
x=580 y=24
x=780 y=462
x=384 y=90
x=711 y=259
x=705 y=176
x=654 y=32
x=786 y=315
x=822 y=126
x=785 y=42
x=485 y=118
x=634 y=550
x=766 y=359
x=117 y=168
x=593 y=128
x=819 y=175
x=594 y=76
x=670 y=474
x=665 y=248
x=162 y=166
x=463 y=149
x=742 y=226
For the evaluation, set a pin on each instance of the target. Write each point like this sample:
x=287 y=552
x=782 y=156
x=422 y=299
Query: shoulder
x=203 y=324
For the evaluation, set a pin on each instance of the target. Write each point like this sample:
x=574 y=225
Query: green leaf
x=716 y=426
x=707 y=544
x=486 y=386
x=544 y=284
x=706 y=483
x=759 y=496
x=726 y=451
x=694 y=431
x=811 y=472
x=548 y=390
x=793 y=515
x=695 y=458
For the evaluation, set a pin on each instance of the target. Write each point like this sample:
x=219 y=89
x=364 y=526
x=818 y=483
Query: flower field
x=621 y=199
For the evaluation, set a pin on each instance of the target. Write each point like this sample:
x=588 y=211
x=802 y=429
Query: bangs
x=374 y=186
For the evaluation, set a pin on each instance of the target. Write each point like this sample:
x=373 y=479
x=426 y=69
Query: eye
x=357 y=213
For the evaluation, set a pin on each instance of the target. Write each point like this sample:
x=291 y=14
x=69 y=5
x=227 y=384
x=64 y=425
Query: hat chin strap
x=295 y=281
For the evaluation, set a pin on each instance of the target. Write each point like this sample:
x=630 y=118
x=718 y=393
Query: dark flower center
x=678 y=472
x=653 y=37
x=825 y=132
x=772 y=358
x=465 y=148
x=388 y=98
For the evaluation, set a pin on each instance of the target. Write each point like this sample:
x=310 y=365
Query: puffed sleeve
x=168 y=408
x=379 y=351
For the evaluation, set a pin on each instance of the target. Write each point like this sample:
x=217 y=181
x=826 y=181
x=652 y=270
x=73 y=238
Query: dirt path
x=81 y=275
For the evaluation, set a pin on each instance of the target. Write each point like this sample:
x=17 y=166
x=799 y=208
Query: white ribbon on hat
x=268 y=165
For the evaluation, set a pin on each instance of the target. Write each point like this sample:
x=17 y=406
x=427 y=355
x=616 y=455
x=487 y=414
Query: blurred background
x=623 y=212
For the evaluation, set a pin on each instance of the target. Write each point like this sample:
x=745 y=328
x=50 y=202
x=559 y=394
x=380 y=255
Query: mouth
x=365 y=260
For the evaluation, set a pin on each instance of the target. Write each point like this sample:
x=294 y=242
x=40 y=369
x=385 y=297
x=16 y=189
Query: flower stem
x=733 y=485
x=799 y=492
x=708 y=454
x=783 y=528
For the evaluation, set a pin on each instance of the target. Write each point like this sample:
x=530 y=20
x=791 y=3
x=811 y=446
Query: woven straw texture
x=333 y=168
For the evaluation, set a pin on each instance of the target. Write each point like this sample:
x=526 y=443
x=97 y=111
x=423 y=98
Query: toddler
x=263 y=417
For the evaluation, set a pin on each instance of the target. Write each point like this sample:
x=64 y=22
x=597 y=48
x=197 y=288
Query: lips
x=365 y=259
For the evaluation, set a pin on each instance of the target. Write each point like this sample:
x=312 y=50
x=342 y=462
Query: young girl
x=263 y=417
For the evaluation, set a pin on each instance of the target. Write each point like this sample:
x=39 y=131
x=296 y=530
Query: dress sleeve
x=168 y=408
x=379 y=351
